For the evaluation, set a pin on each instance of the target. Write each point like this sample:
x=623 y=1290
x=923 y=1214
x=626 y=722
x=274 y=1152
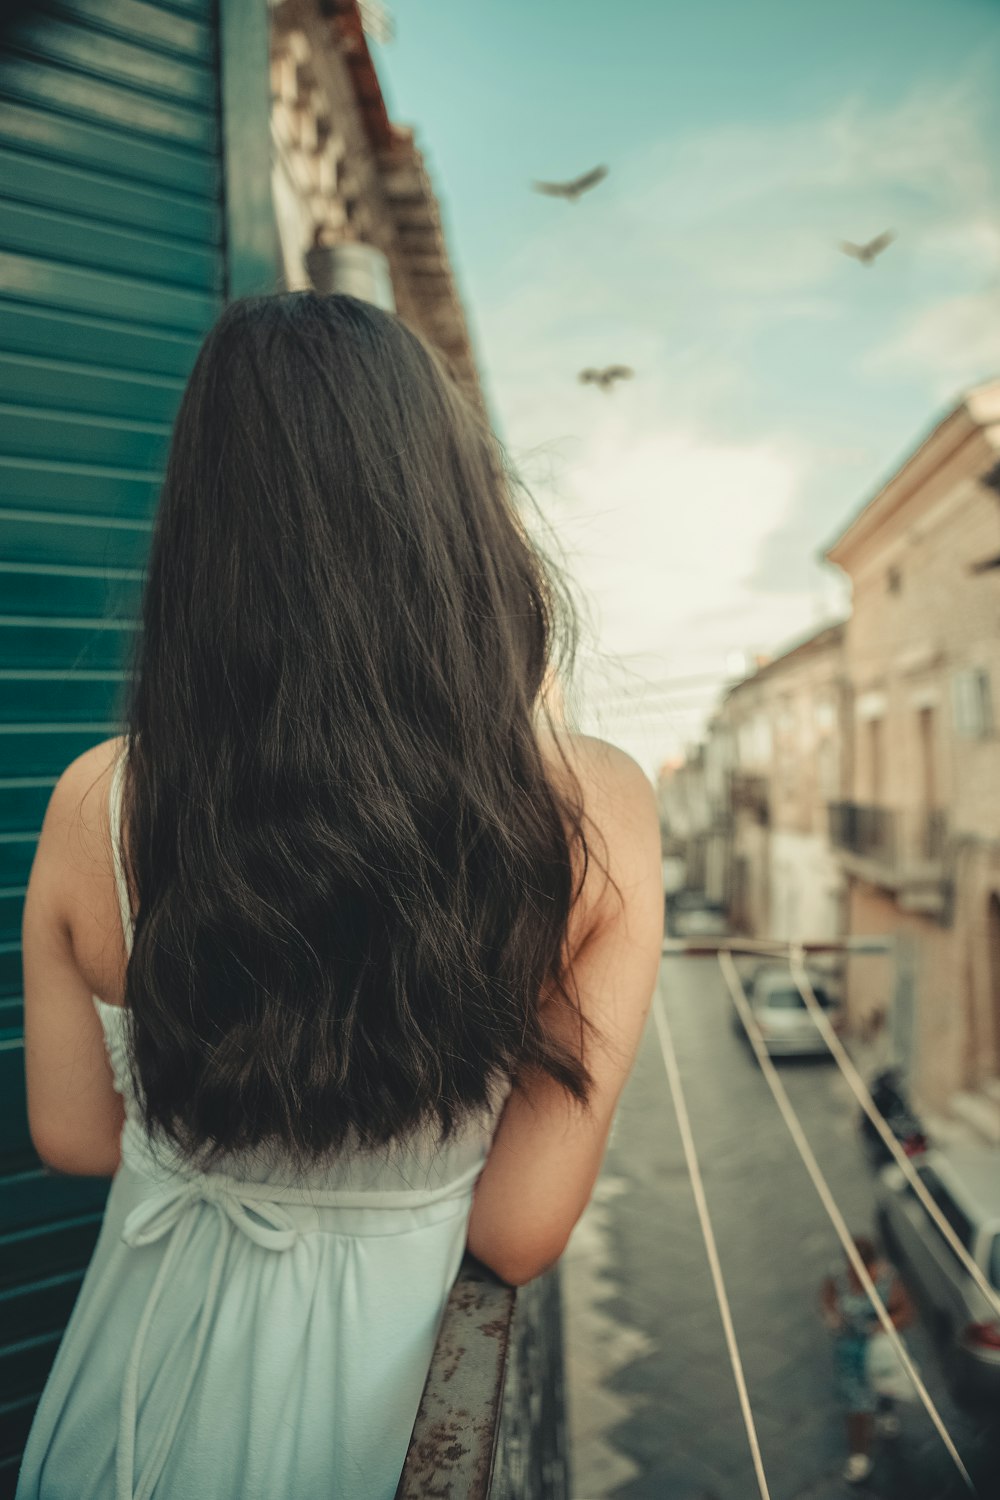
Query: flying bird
x=574 y=189
x=869 y=253
x=605 y=379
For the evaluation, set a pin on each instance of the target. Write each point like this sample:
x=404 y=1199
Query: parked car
x=965 y=1185
x=786 y=1025
x=890 y=1099
x=699 y=921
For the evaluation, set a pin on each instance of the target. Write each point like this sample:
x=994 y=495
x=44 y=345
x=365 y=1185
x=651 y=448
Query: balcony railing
x=869 y=832
x=752 y=793
x=932 y=834
x=491 y=1424
x=903 y=851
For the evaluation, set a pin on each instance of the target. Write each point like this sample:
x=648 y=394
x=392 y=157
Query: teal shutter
x=112 y=267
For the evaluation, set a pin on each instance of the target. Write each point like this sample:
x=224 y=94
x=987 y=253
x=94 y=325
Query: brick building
x=917 y=831
x=783 y=725
x=354 y=205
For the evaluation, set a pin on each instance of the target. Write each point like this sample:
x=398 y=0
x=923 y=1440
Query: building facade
x=917 y=832
x=354 y=206
x=781 y=733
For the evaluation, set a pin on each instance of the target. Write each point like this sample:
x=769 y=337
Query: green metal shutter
x=111 y=270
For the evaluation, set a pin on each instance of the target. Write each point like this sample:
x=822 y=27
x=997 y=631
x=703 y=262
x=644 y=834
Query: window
x=972 y=701
x=875 y=759
x=928 y=755
x=825 y=715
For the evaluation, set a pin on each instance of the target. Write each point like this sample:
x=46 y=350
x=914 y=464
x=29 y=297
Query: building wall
x=781 y=732
x=345 y=175
x=807 y=888
x=718 y=858
x=751 y=875
x=907 y=642
x=977 y=934
x=925 y=616
x=911 y=997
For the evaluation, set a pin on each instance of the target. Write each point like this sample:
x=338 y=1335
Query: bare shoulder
x=615 y=789
x=621 y=823
x=75 y=830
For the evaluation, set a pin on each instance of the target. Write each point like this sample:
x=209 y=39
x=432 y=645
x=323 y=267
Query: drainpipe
x=359 y=270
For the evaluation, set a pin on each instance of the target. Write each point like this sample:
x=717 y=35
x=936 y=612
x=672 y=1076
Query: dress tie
x=256 y=1210
x=173 y=1211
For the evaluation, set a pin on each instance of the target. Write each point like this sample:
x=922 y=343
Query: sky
x=777 y=381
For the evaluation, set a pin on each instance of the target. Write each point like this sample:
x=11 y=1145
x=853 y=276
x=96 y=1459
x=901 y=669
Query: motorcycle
x=889 y=1097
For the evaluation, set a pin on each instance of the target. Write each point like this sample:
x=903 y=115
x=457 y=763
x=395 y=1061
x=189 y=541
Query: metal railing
x=491 y=1423
x=864 y=830
x=932 y=834
x=751 y=793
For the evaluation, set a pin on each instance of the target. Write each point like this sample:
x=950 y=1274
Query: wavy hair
x=352 y=868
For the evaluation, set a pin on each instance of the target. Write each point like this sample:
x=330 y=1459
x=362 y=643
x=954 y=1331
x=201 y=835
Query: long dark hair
x=352 y=868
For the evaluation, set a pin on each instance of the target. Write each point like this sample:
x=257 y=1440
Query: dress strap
x=115 y=795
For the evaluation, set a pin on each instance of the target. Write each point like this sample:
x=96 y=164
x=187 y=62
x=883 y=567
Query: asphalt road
x=653 y=1407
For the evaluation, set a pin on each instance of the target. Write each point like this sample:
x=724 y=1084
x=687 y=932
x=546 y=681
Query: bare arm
x=548 y=1150
x=74 y=1113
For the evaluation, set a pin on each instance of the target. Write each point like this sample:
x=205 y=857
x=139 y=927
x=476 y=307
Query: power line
x=841 y=1057
x=791 y=1119
x=708 y=1234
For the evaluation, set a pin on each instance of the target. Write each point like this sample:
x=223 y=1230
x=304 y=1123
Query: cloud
x=956 y=341
x=691 y=502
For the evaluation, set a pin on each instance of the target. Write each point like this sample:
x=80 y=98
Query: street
x=653 y=1408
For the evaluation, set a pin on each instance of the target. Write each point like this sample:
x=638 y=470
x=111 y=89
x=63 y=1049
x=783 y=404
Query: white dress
x=246 y=1335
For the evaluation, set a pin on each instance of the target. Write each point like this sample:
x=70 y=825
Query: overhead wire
x=792 y=1121
x=708 y=1234
x=863 y=1095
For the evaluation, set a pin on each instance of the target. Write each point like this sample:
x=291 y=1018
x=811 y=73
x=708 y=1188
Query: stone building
x=779 y=732
x=681 y=796
x=917 y=831
x=354 y=205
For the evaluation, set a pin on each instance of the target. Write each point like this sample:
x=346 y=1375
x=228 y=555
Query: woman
x=338 y=960
x=849 y=1313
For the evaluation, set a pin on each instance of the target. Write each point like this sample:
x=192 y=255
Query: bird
x=605 y=379
x=574 y=189
x=869 y=253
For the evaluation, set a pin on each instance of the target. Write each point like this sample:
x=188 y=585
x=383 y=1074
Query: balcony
x=751 y=794
x=904 y=851
x=932 y=834
x=868 y=832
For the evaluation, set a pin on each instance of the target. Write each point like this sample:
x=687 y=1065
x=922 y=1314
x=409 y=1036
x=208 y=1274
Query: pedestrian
x=851 y=1316
x=338 y=959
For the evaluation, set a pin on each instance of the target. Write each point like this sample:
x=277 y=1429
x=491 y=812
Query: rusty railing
x=491 y=1423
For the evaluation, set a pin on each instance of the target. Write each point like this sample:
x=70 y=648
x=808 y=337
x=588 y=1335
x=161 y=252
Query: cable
x=704 y=1218
x=826 y=1197
x=861 y=1092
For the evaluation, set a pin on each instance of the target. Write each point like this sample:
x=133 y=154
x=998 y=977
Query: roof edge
x=977 y=410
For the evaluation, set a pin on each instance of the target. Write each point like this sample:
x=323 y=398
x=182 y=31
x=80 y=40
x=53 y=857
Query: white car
x=699 y=921
x=786 y=1025
x=965 y=1185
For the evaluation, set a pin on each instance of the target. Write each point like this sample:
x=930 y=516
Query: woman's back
x=251 y=1330
x=370 y=904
